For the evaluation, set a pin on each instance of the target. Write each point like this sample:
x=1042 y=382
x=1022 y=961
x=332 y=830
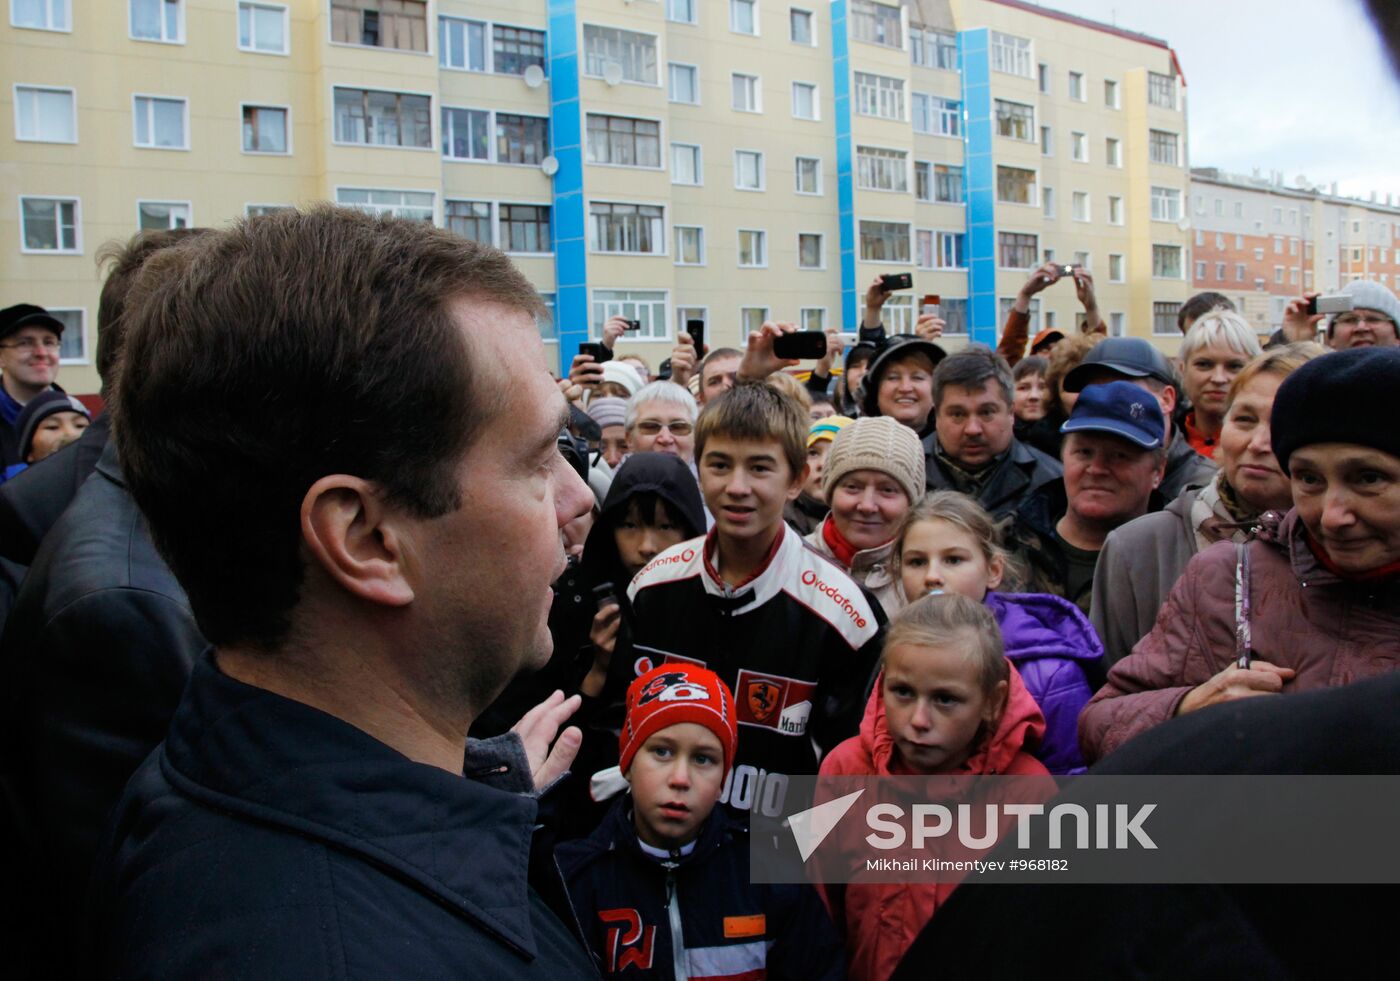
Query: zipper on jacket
x=673 y=911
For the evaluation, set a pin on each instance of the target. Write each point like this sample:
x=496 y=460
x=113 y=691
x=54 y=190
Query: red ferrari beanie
x=675 y=693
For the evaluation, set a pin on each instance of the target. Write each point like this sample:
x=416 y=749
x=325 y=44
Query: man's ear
x=355 y=538
x=1168 y=401
x=799 y=482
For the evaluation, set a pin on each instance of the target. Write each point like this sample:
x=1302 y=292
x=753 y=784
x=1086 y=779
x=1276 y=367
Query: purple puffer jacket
x=1052 y=644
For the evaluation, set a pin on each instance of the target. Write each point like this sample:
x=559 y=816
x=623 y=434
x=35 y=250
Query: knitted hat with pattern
x=674 y=693
x=877 y=443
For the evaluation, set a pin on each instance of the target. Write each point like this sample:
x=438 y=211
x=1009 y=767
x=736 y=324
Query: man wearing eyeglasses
x=1371 y=322
x=29 y=343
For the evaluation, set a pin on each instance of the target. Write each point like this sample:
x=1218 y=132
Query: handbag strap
x=1243 y=638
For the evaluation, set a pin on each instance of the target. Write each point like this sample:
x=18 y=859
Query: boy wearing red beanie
x=662 y=887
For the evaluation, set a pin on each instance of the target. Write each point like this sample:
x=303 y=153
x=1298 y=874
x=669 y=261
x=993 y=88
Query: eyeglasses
x=33 y=343
x=650 y=427
x=1352 y=319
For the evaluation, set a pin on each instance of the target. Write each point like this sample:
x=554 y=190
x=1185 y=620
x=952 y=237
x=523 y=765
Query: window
x=1162 y=147
x=1015 y=120
x=876 y=23
x=1278 y=274
x=1076 y=86
x=45 y=115
x=948 y=184
x=955 y=315
x=401 y=204
x=647 y=307
x=950 y=250
x=462 y=44
x=466 y=134
x=157 y=20
x=1293 y=247
x=745 y=93
x=399 y=24
x=49 y=225
x=1082 y=259
x=1115 y=324
x=878 y=169
x=1278 y=247
x=1079 y=147
x=1166 y=204
x=1047 y=141
x=259 y=210
x=1043 y=77
x=1110 y=93
x=627 y=228
x=265 y=129
x=160 y=123
x=525 y=228
x=878 y=95
x=1239 y=241
x=681 y=11
x=1011 y=54
x=469 y=219
x=748 y=170
x=41 y=15
x=1259 y=255
x=1115 y=268
x=751 y=319
x=884 y=241
x=1113 y=152
x=923 y=248
x=810 y=254
x=262 y=27
x=623 y=141
x=1239 y=209
x=1161 y=90
x=1200 y=237
x=1239 y=272
x=940 y=117
x=923 y=180
x=1017 y=250
x=1219 y=208
x=685 y=84
x=804 y=100
x=933 y=49
x=162 y=215
x=1278 y=216
x=800 y=29
x=1166 y=261
x=1219 y=240
x=685 y=164
x=1047 y=201
x=743 y=16
x=1005 y=304
x=809 y=175
x=514 y=49
x=377 y=118
x=899 y=314
x=1115 y=210
x=1015 y=185
x=73 y=342
x=1220 y=271
x=690 y=313
x=1164 y=318
x=521 y=139
x=1200 y=270
x=811 y=318
x=1079 y=204
x=690 y=245
x=634 y=53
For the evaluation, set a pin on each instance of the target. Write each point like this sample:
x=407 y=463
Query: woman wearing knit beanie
x=874 y=474
x=1314 y=600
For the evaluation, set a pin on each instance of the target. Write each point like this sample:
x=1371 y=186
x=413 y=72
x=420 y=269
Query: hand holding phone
x=696 y=330
x=597 y=351
x=803 y=344
x=897 y=281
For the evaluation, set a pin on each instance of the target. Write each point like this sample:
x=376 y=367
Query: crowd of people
x=348 y=642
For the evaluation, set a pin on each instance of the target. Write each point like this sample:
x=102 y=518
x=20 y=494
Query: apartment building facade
x=724 y=160
x=1262 y=242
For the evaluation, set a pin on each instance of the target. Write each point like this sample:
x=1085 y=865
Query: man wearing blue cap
x=1114 y=458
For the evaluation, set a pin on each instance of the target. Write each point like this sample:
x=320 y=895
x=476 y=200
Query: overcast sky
x=1290 y=85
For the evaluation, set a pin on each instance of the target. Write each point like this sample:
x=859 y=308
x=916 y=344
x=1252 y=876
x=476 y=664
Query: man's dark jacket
x=267 y=839
x=31 y=501
x=1023 y=470
x=96 y=652
x=1185 y=468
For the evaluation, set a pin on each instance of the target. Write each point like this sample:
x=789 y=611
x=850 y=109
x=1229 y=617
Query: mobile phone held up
x=1335 y=303
x=632 y=325
x=696 y=330
x=896 y=281
x=803 y=344
x=599 y=352
x=933 y=304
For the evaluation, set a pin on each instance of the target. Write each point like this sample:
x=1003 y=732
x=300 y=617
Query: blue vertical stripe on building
x=974 y=64
x=565 y=137
x=845 y=163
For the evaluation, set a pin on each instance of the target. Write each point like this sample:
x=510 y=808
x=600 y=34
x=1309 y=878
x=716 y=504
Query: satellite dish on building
x=1184 y=224
x=550 y=165
x=534 y=76
x=612 y=73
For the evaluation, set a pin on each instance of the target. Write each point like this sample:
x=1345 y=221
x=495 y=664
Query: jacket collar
x=870 y=566
x=767 y=580
x=275 y=761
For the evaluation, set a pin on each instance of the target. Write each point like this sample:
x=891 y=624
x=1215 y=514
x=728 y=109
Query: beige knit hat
x=877 y=443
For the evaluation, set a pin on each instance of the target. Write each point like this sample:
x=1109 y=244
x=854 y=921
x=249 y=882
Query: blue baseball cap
x=1119 y=408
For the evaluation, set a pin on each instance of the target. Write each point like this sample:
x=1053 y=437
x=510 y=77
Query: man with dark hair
x=973 y=448
x=1198 y=306
x=32 y=502
x=1136 y=360
x=366 y=515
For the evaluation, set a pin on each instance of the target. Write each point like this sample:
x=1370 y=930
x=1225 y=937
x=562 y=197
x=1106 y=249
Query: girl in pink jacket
x=948 y=702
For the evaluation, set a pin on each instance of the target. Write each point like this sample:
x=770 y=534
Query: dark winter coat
x=1022 y=472
x=266 y=839
x=630 y=903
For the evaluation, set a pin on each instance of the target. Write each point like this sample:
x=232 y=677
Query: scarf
x=843 y=550
x=1218 y=514
x=1381 y=574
